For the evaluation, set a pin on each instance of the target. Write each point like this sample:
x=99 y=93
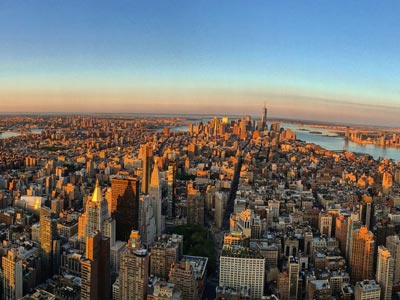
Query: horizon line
x=256 y=117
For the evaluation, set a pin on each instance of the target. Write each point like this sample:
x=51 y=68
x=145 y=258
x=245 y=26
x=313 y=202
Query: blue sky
x=306 y=59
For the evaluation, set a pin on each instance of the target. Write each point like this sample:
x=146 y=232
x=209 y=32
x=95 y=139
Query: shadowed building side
x=125 y=205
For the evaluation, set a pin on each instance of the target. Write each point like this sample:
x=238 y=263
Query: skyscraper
x=354 y=223
x=49 y=243
x=215 y=127
x=145 y=154
x=12 y=276
x=155 y=197
x=367 y=212
x=393 y=245
x=96 y=217
x=381 y=231
x=147 y=223
x=341 y=229
x=220 y=203
x=95 y=268
x=134 y=270
x=385 y=272
x=294 y=268
x=171 y=177
x=362 y=254
x=264 y=118
x=90 y=168
x=125 y=205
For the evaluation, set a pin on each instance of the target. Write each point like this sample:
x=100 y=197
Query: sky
x=324 y=60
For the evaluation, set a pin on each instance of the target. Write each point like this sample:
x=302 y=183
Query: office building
x=133 y=276
x=367 y=212
x=229 y=293
x=293 y=270
x=325 y=224
x=221 y=200
x=183 y=277
x=145 y=155
x=367 y=290
x=96 y=218
x=95 y=268
x=195 y=206
x=319 y=290
x=165 y=252
x=385 y=272
x=12 y=276
x=264 y=119
x=362 y=254
x=283 y=285
x=199 y=268
x=147 y=223
x=50 y=244
x=155 y=197
x=243 y=267
x=393 y=245
x=162 y=290
x=341 y=228
x=171 y=178
x=125 y=205
x=354 y=223
x=381 y=231
x=246 y=222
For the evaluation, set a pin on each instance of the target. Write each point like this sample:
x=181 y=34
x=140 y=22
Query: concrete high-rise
x=162 y=290
x=147 y=223
x=367 y=290
x=325 y=224
x=166 y=251
x=354 y=223
x=183 y=276
x=95 y=268
x=294 y=269
x=381 y=231
x=393 y=245
x=341 y=229
x=367 y=212
x=155 y=198
x=133 y=274
x=243 y=268
x=90 y=169
x=195 y=206
x=12 y=276
x=221 y=200
x=125 y=205
x=385 y=272
x=362 y=254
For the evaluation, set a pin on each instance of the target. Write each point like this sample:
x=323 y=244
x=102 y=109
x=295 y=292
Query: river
x=338 y=142
x=8 y=134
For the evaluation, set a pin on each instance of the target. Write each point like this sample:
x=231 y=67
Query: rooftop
x=198 y=263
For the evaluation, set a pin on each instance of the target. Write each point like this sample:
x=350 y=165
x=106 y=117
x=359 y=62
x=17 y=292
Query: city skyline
x=317 y=61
